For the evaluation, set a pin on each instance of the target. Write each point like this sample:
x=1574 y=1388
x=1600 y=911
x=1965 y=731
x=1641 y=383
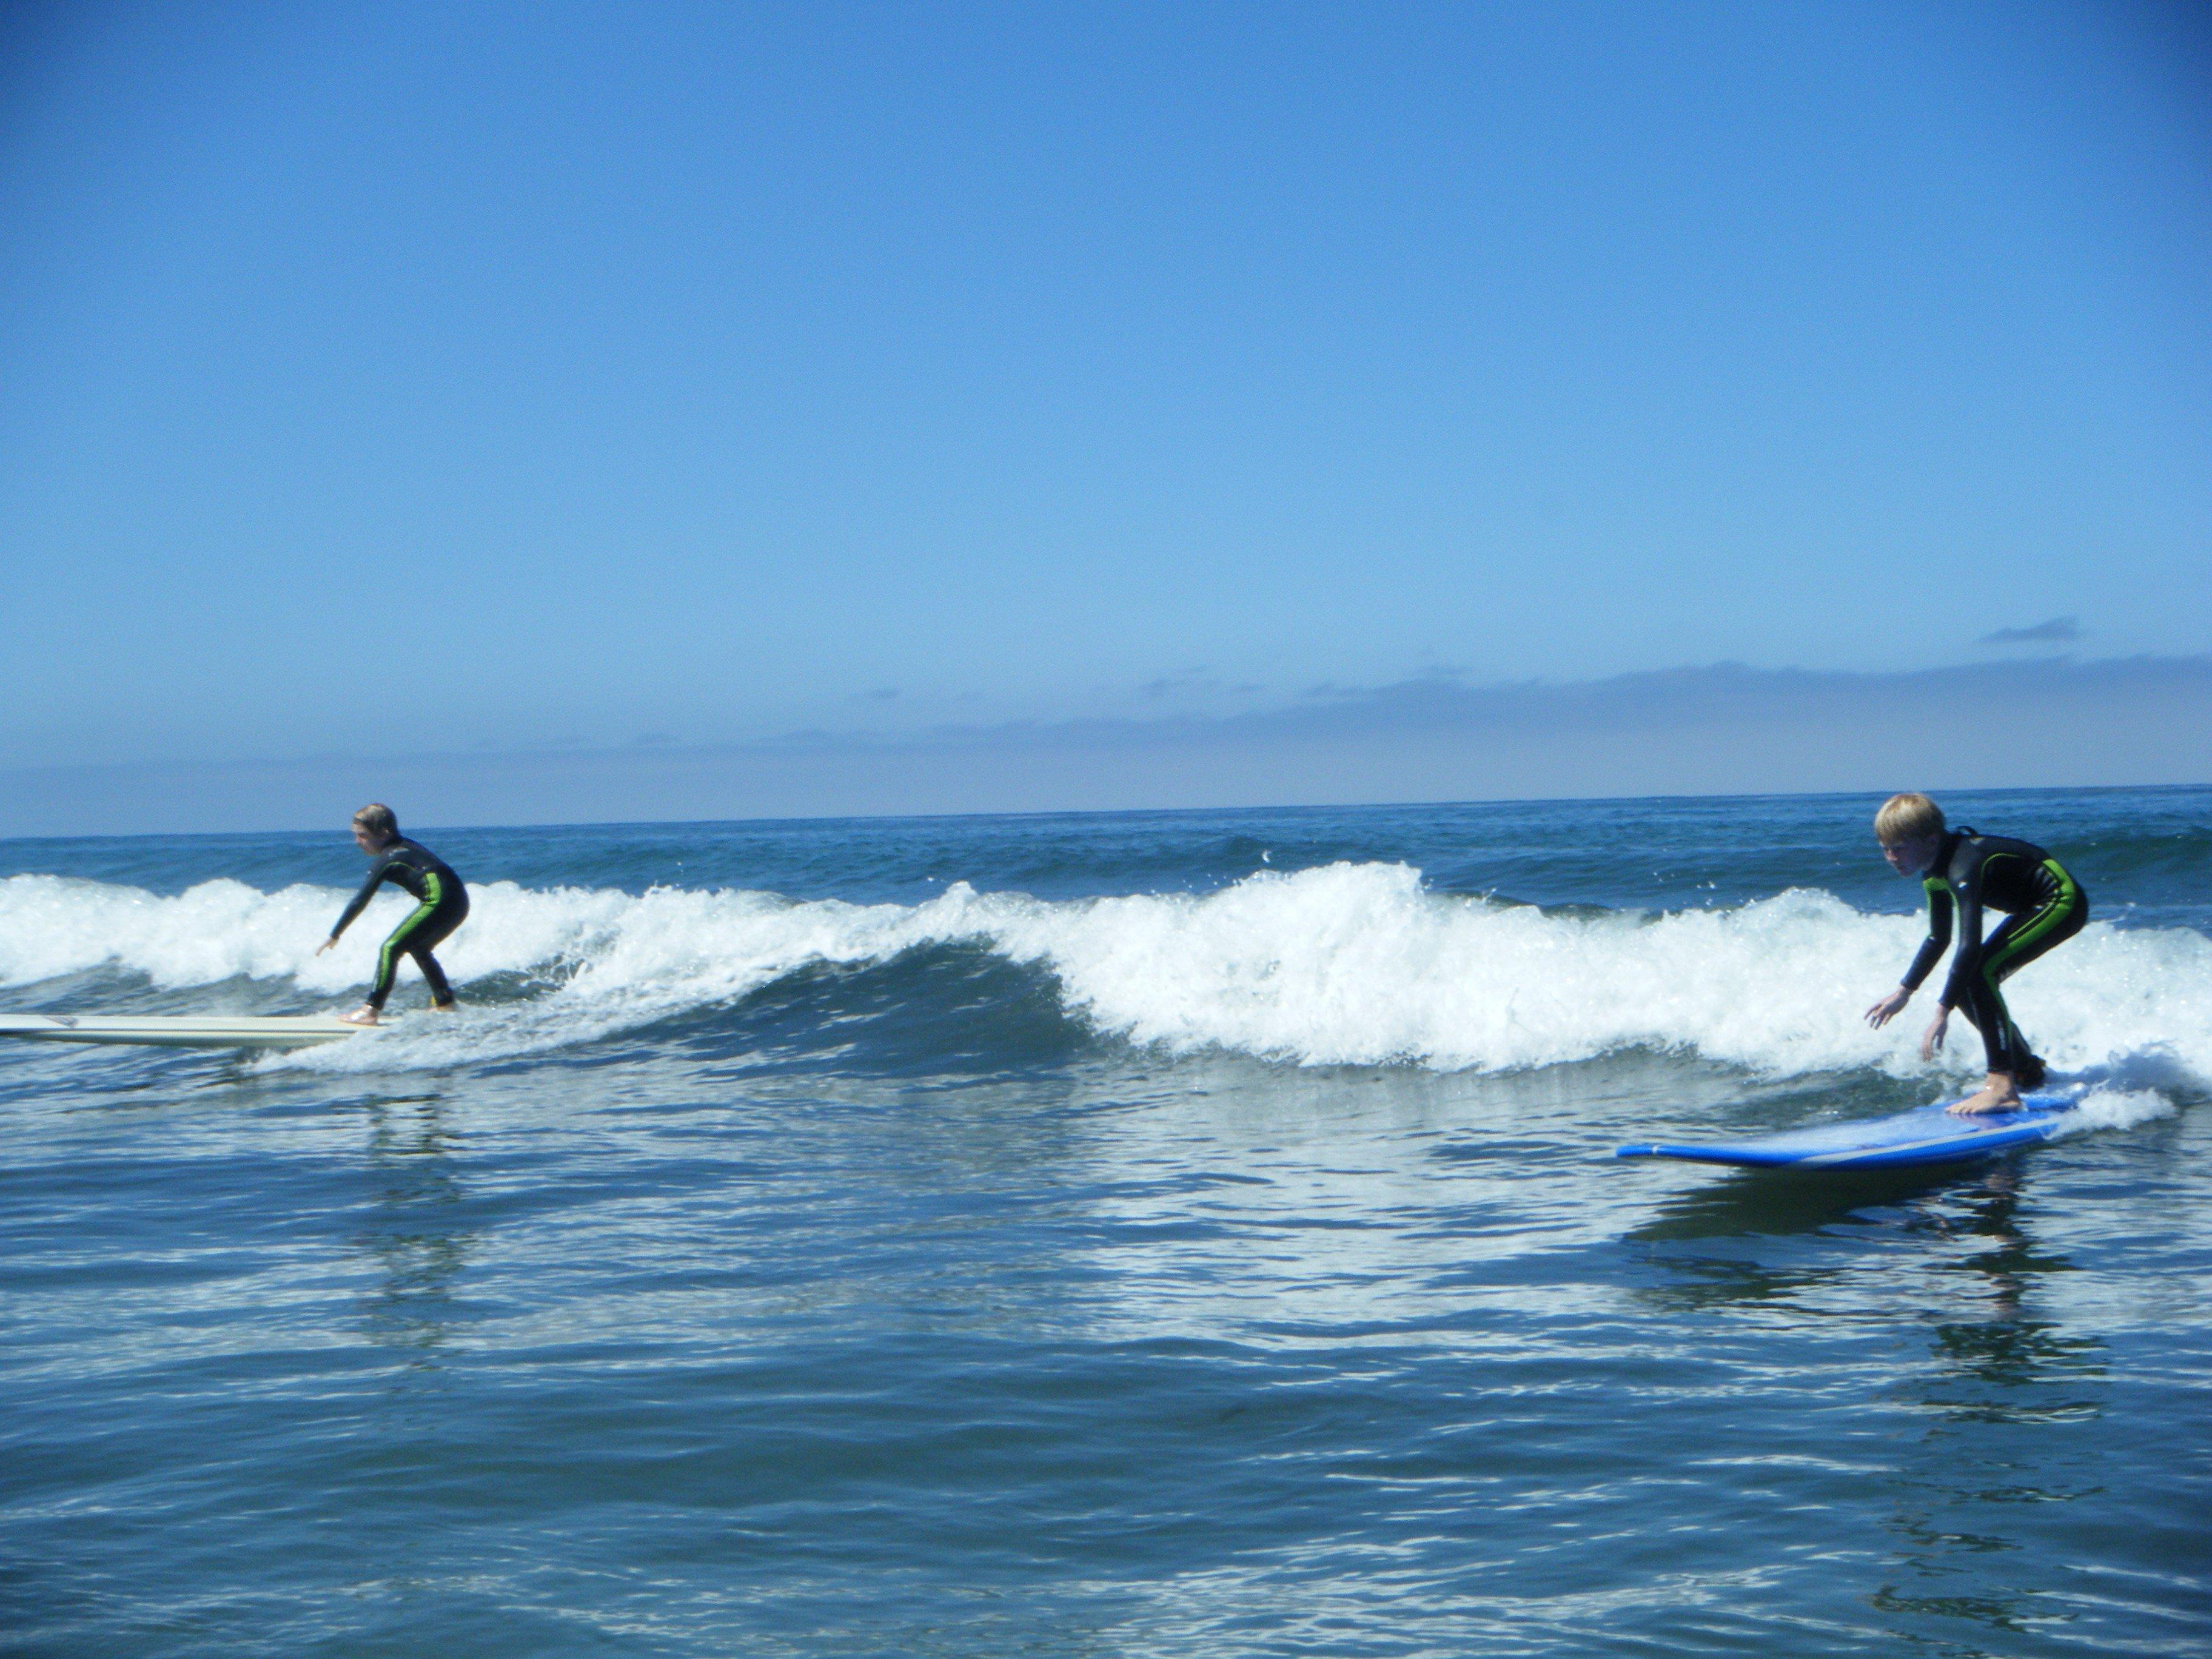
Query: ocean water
x=1156 y=1234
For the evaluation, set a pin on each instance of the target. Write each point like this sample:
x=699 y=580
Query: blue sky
x=385 y=381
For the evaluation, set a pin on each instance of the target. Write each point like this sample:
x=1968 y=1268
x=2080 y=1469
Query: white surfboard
x=181 y=1030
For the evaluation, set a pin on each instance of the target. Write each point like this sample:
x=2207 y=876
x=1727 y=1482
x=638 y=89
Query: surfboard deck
x=181 y=1030
x=1929 y=1135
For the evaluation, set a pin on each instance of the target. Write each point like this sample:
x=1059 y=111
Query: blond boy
x=1967 y=871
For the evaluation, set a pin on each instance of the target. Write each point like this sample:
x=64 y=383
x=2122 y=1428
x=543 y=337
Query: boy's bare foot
x=1997 y=1095
x=363 y=1015
x=445 y=1007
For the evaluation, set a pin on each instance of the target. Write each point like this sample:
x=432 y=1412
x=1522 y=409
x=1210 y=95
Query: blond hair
x=378 y=820
x=1907 y=817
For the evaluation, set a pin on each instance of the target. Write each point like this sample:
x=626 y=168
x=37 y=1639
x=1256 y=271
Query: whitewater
x=1342 y=965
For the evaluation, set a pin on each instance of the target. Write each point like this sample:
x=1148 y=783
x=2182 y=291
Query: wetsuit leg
x=441 y=991
x=433 y=933
x=1986 y=1011
x=426 y=926
x=2018 y=941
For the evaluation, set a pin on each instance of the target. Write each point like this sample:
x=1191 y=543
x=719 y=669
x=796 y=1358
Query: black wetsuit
x=444 y=906
x=2045 y=907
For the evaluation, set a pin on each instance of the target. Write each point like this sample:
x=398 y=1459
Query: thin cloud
x=1722 y=729
x=2059 y=631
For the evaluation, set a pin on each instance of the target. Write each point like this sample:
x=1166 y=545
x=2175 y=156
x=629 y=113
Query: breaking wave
x=1346 y=964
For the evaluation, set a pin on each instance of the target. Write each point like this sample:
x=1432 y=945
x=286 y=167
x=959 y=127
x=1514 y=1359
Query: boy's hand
x=1888 y=1008
x=1931 y=1040
x=324 y=946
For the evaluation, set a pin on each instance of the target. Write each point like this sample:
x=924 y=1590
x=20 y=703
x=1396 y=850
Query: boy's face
x=1913 y=856
x=362 y=839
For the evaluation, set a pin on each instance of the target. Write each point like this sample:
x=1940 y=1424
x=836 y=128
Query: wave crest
x=1345 y=964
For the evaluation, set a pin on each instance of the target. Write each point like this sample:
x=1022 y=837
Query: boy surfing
x=1965 y=871
x=442 y=905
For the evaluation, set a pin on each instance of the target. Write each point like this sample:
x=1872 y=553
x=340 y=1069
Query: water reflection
x=1746 y=1203
x=1976 y=1500
x=1765 y=1237
x=2003 y=1346
x=411 y=1230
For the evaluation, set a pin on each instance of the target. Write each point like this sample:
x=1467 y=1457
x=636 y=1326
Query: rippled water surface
x=1157 y=1234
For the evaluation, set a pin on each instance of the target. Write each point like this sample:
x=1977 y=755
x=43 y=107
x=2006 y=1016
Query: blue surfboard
x=1927 y=1135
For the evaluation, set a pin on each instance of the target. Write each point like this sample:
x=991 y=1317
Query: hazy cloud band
x=1720 y=730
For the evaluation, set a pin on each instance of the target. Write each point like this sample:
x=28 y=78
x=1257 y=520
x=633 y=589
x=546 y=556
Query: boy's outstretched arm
x=1930 y=951
x=1963 y=960
x=360 y=903
x=1966 y=960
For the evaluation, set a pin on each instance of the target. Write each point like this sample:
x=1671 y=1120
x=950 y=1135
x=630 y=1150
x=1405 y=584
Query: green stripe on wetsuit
x=388 y=953
x=2055 y=923
x=443 y=906
x=2037 y=927
x=2046 y=907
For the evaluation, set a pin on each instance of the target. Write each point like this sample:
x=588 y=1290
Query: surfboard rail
x=181 y=1030
x=1926 y=1135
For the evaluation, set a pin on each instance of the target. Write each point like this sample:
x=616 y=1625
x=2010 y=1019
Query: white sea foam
x=1347 y=964
x=2116 y=1108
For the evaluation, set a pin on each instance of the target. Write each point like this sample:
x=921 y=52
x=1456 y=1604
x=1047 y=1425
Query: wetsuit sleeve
x=367 y=892
x=1966 y=960
x=1938 y=935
